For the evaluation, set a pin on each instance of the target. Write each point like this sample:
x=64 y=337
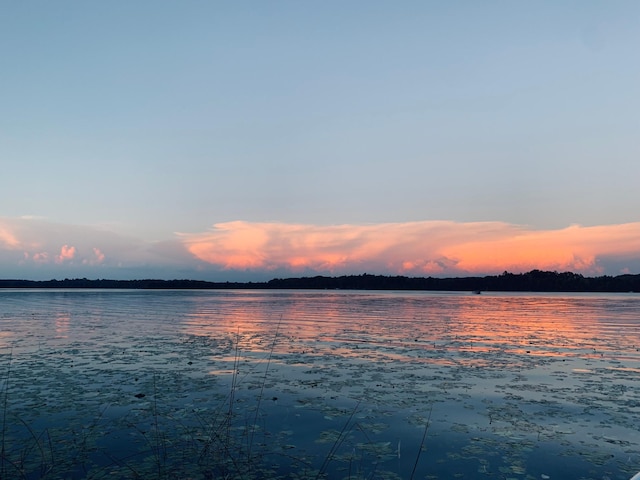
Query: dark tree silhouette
x=533 y=281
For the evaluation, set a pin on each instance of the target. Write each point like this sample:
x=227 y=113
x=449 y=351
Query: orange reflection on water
x=473 y=330
x=62 y=325
x=515 y=323
x=260 y=322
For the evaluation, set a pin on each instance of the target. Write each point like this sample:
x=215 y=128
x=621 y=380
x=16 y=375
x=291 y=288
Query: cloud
x=35 y=248
x=39 y=257
x=414 y=248
x=66 y=254
x=8 y=239
x=99 y=256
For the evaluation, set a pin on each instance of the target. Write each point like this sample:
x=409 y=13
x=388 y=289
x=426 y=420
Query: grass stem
x=424 y=436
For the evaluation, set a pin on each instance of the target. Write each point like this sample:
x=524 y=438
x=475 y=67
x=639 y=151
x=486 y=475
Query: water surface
x=261 y=384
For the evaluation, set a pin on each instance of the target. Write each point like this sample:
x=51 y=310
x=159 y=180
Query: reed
x=424 y=437
x=337 y=443
x=261 y=394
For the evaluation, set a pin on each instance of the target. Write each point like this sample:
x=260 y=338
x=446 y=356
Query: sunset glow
x=264 y=250
x=417 y=248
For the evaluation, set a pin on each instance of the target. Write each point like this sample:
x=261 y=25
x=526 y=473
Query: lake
x=318 y=384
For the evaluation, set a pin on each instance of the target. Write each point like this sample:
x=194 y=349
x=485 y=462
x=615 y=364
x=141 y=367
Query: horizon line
x=354 y=275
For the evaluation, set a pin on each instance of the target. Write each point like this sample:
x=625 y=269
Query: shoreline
x=533 y=281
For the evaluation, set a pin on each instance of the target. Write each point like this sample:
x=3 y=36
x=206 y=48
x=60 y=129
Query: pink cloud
x=40 y=257
x=99 y=255
x=416 y=248
x=8 y=238
x=66 y=254
x=97 y=259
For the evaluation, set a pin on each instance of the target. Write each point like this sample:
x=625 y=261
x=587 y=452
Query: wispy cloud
x=414 y=248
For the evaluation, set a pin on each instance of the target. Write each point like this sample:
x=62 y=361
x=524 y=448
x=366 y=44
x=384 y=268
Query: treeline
x=127 y=284
x=533 y=281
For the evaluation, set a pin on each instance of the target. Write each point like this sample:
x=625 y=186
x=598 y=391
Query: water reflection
x=62 y=325
x=521 y=375
x=521 y=369
x=5 y=339
x=423 y=327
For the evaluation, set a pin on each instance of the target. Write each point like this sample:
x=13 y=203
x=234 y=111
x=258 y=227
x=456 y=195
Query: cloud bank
x=35 y=248
x=416 y=248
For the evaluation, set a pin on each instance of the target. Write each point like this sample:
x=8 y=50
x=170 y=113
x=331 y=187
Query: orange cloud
x=418 y=248
x=574 y=248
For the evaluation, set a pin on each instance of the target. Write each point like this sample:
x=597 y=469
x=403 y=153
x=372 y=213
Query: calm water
x=254 y=384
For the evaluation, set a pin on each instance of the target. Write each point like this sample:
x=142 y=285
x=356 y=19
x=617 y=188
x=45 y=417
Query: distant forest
x=533 y=281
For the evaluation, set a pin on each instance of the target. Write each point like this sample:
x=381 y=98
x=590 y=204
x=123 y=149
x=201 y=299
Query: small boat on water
x=477 y=292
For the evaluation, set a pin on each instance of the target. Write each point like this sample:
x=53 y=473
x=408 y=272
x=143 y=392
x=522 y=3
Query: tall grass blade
x=424 y=436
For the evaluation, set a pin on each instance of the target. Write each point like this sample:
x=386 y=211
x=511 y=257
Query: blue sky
x=139 y=129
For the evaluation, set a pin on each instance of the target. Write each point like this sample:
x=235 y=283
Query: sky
x=253 y=140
